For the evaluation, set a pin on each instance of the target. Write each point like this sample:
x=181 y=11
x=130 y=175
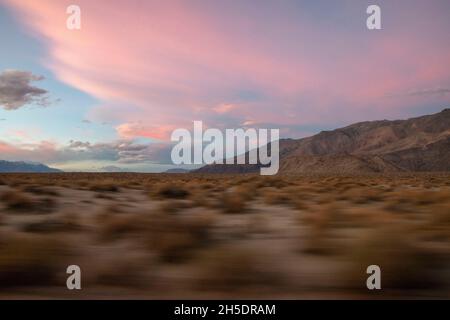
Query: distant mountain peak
x=25 y=167
x=177 y=170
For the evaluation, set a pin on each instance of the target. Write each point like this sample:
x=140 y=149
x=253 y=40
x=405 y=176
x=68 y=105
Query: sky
x=108 y=96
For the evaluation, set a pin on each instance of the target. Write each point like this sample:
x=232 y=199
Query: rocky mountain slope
x=416 y=144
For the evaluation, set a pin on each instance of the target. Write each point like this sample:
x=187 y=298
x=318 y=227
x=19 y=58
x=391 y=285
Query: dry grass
x=104 y=186
x=125 y=271
x=364 y=195
x=323 y=230
x=171 y=191
x=274 y=196
x=17 y=201
x=52 y=225
x=319 y=233
x=40 y=190
x=405 y=264
x=235 y=268
x=173 y=238
x=174 y=206
x=32 y=261
x=115 y=227
x=233 y=202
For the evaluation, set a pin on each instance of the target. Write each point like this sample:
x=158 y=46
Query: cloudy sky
x=109 y=95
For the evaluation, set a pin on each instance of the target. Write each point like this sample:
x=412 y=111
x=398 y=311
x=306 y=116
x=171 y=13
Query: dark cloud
x=78 y=144
x=122 y=151
x=16 y=90
x=126 y=155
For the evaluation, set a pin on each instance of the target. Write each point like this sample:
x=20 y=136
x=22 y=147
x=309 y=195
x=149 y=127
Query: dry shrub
x=32 y=261
x=342 y=186
x=233 y=202
x=104 y=186
x=302 y=192
x=248 y=190
x=296 y=191
x=172 y=191
x=235 y=268
x=40 y=190
x=324 y=216
x=50 y=226
x=363 y=195
x=441 y=214
x=318 y=242
x=258 y=224
x=275 y=182
x=202 y=198
x=325 y=199
x=101 y=216
x=173 y=238
x=18 y=201
x=274 y=196
x=365 y=217
x=105 y=196
x=423 y=200
x=399 y=202
x=404 y=264
x=298 y=197
x=72 y=220
x=46 y=205
x=207 y=186
x=114 y=227
x=300 y=204
x=320 y=223
x=174 y=206
x=124 y=271
x=437 y=227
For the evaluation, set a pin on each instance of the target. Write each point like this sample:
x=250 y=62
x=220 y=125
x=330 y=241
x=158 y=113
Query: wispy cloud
x=428 y=92
x=437 y=91
x=295 y=65
x=120 y=152
x=286 y=68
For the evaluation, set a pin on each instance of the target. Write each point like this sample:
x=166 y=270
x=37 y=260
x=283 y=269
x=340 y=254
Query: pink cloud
x=133 y=130
x=163 y=64
x=43 y=151
x=224 y=108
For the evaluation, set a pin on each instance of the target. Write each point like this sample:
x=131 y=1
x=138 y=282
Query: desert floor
x=158 y=236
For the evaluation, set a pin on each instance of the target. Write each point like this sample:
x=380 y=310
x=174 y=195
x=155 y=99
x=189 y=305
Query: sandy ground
x=200 y=236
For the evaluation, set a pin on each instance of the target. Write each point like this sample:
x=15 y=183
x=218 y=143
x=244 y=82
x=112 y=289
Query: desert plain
x=189 y=236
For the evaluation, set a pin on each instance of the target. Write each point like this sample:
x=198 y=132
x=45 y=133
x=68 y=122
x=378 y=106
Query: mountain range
x=24 y=167
x=416 y=144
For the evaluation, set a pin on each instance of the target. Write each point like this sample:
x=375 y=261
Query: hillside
x=416 y=144
x=24 y=167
